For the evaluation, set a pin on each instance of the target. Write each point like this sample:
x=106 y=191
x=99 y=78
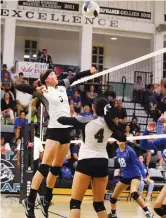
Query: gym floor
x=10 y=208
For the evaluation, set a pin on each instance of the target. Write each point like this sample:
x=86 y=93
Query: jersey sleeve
x=145 y=144
x=26 y=88
x=137 y=162
x=68 y=81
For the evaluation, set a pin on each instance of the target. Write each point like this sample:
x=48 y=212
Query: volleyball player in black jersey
x=53 y=96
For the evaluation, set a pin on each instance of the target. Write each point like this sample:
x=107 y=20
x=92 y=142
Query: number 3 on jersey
x=61 y=99
x=100 y=136
x=122 y=162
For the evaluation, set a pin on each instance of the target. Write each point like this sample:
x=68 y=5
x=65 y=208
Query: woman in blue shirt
x=132 y=171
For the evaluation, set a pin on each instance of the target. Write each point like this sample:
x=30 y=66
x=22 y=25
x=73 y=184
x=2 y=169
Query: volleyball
x=90 y=9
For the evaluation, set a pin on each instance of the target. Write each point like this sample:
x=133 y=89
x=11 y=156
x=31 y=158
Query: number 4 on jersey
x=100 y=136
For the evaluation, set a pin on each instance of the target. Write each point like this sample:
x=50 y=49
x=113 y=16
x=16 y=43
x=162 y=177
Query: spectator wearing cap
x=3 y=70
x=110 y=94
x=46 y=58
x=138 y=90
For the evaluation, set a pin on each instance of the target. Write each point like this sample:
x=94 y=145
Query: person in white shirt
x=93 y=158
x=13 y=74
x=53 y=95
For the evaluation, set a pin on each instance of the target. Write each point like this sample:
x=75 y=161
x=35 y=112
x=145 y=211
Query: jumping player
x=53 y=95
x=93 y=158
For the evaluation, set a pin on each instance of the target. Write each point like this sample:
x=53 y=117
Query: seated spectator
x=91 y=95
x=138 y=90
x=19 y=123
x=3 y=70
x=70 y=93
x=134 y=127
x=119 y=112
x=76 y=102
x=150 y=98
x=20 y=79
x=87 y=112
x=147 y=181
x=129 y=134
x=6 y=80
x=4 y=147
x=6 y=89
x=22 y=100
x=72 y=111
x=13 y=74
x=7 y=107
x=33 y=116
x=69 y=73
x=162 y=106
x=110 y=94
x=74 y=154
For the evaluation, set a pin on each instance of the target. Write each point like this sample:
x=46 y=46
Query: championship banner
x=31 y=69
x=9 y=173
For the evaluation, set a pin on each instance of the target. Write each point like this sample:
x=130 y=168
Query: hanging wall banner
x=31 y=69
x=50 y=4
x=125 y=13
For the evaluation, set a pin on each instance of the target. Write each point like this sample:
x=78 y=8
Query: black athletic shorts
x=93 y=167
x=128 y=181
x=61 y=135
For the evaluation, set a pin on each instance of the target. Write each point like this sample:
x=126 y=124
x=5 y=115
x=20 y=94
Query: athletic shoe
x=44 y=206
x=149 y=215
x=112 y=215
x=29 y=208
x=147 y=198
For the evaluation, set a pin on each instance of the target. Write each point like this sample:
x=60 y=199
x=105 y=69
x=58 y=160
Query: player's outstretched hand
x=93 y=70
x=151 y=126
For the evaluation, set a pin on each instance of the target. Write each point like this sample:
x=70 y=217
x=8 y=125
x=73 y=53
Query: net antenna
x=129 y=63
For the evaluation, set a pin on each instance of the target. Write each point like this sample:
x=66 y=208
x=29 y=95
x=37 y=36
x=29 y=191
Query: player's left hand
x=93 y=70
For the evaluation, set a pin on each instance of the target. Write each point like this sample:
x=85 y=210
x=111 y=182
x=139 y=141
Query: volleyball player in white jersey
x=53 y=96
x=93 y=158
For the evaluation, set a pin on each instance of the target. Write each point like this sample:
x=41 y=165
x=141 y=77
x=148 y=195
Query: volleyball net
x=139 y=83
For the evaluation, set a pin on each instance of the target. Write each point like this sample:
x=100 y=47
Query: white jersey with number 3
x=96 y=136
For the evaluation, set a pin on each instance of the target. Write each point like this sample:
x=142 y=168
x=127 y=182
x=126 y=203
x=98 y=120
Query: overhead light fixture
x=113 y=38
x=34 y=56
x=26 y=56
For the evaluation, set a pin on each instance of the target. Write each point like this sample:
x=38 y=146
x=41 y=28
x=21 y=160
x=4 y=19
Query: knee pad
x=113 y=200
x=135 y=195
x=158 y=211
x=55 y=170
x=43 y=169
x=75 y=204
x=163 y=210
x=99 y=206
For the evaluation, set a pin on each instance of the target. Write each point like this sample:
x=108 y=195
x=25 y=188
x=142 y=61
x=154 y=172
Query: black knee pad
x=164 y=210
x=75 y=204
x=113 y=200
x=135 y=195
x=99 y=206
x=158 y=211
x=55 y=170
x=43 y=169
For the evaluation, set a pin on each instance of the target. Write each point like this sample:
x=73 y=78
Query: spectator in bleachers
x=69 y=73
x=162 y=106
x=119 y=112
x=150 y=98
x=13 y=74
x=86 y=112
x=74 y=153
x=3 y=70
x=22 y=100
x=20 y=79
x=4 y=146
x=46 y=57
x=19 y=122
x=91 y=95
x=147 y=181
x=7 y=107
x=129 y=134
x=72 y=111
x=139 y=87
x=6 y=89
x=70 y=93
x=110 y=94
x=6 y=80
x=134 y=127
x=76 y=102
